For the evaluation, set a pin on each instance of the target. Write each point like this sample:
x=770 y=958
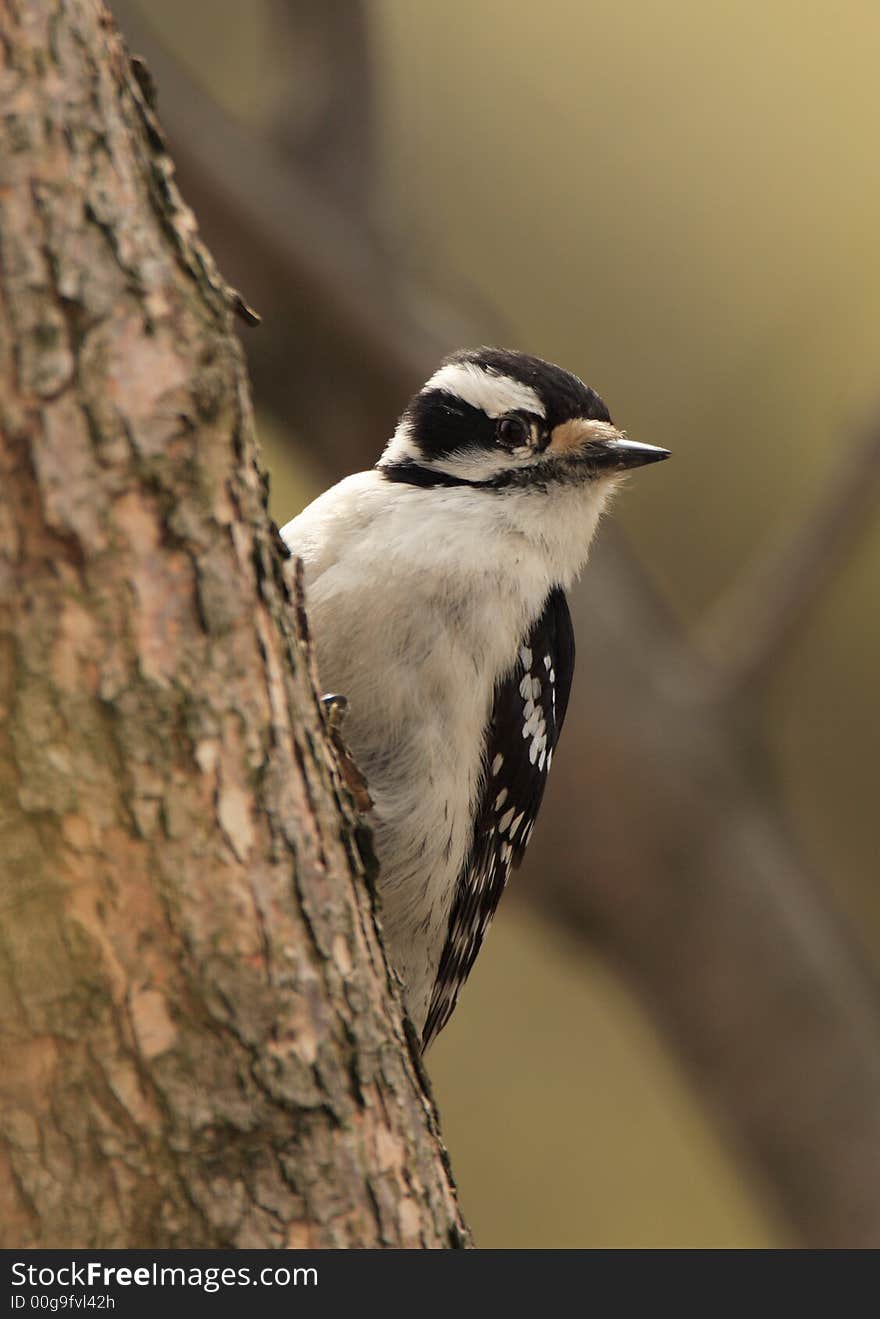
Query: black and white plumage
x=435 y=586
x=527 y=715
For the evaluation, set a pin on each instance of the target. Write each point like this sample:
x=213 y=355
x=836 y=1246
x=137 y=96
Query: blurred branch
x=315 y=273
x=706 y=905
x=748 y=631
x=667 y=847
x=325 y=121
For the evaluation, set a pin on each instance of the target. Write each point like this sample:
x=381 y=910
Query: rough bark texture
x=199 y=1044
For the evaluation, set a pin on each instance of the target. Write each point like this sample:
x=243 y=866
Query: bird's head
x=495 y=419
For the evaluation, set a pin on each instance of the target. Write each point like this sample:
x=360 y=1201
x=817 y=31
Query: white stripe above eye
x=495 y=394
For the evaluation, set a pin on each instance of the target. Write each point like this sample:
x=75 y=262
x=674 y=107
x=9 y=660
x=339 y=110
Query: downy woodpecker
x=435 y=588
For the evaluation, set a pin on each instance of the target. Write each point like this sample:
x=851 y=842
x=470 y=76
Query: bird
x=435 y=588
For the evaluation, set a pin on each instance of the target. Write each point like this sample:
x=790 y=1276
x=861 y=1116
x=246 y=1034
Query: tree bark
x=201 y=1043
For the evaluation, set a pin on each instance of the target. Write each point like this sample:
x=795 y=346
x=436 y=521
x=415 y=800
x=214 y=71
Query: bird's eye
x=513 y=431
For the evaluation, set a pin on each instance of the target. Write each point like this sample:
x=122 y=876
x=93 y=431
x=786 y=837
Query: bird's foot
x=335 y=710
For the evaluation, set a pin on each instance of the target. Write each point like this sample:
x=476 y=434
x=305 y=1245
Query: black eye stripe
x=443 y=424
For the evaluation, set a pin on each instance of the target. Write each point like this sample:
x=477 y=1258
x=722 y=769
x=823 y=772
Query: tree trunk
x=200 y=1042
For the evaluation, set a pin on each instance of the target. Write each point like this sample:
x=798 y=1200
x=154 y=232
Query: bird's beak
x=601 y=445
x=620 y=454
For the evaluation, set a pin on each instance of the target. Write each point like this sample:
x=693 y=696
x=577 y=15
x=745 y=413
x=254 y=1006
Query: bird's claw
x=335 y=710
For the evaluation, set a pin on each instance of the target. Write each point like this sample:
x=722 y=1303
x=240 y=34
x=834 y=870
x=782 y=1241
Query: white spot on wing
x=532 y=724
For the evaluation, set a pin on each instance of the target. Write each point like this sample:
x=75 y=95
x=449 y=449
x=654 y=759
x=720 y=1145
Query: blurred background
x=671 y=1036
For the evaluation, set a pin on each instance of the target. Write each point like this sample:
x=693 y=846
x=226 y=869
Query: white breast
x=417 y=600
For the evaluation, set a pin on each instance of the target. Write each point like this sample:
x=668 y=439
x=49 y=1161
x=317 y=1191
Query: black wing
x=521 y=736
